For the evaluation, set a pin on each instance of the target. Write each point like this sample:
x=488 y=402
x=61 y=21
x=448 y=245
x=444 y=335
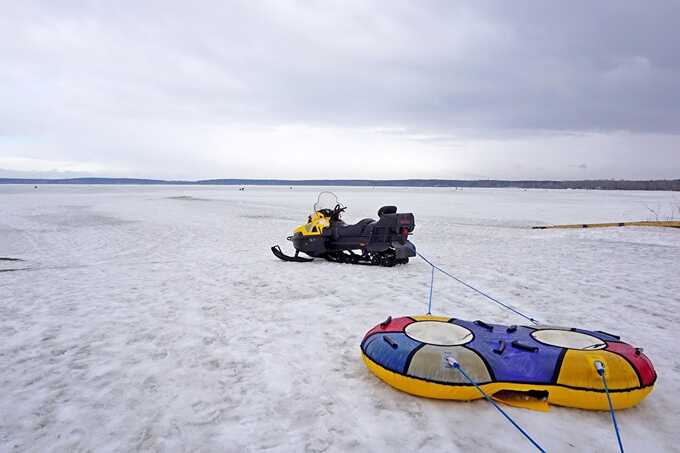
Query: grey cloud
x=496 y=65
x=133 y=74
x=50 y=174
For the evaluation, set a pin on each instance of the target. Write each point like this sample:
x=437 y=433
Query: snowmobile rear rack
x=282 y=256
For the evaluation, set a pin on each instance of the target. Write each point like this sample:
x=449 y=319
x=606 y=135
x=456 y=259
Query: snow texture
x=156 y=318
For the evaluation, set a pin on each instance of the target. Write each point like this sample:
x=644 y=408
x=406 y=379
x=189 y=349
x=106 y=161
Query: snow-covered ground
x=156 y=318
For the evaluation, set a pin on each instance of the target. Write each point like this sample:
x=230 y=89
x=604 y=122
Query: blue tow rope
x=454 y=364
x=429 y=305
x=599 y=366
x=478 y=291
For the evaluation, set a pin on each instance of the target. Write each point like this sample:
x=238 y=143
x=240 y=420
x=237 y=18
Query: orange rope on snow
x=647 y=223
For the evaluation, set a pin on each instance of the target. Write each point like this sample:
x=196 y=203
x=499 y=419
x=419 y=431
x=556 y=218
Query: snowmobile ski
x=295 y=259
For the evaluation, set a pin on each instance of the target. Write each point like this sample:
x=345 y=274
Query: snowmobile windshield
x=326 y=200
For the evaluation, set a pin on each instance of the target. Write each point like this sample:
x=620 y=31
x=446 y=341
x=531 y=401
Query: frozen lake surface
x=157 y=319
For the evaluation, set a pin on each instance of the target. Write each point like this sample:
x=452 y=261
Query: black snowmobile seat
x=353 y=230
x=387 y=210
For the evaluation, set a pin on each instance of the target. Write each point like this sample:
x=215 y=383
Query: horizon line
x=591 y=184
x=163 y=180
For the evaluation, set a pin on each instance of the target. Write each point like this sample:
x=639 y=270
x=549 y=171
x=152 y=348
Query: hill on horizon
x=594 y=184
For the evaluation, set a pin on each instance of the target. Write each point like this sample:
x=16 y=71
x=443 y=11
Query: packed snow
x=156 y=318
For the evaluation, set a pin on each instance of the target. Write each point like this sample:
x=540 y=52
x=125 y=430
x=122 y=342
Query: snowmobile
x=382 y=242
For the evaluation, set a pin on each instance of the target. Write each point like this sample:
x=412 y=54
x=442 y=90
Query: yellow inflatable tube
x=522 y=366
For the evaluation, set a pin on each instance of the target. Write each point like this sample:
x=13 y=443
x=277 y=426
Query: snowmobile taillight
x=404 y=232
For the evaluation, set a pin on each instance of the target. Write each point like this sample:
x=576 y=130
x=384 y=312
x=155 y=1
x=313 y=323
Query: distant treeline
x=593 y=184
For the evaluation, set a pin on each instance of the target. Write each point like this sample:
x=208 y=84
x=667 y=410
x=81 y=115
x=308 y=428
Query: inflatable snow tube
x=518 y=365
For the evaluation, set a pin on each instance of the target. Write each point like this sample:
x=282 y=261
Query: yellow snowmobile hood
x=317 y=223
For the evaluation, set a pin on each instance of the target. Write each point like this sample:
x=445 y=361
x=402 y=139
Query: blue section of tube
x=392 y=353
x=513 y=364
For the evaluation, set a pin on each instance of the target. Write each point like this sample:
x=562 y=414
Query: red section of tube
x=639 y=360
x=395 y=325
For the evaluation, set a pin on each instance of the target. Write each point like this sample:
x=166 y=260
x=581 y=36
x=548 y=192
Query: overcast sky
x=311 y=89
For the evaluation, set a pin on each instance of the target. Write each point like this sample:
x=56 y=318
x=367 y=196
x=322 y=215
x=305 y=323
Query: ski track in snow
x=156 y=318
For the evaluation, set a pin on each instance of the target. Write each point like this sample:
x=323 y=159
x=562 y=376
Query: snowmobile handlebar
x=334 y=213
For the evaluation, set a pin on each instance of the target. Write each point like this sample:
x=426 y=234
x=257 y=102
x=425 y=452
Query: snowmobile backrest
x=387 y=210
x=393 y=223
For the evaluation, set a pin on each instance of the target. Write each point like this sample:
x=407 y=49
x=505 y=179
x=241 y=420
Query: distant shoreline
x=593 y=184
